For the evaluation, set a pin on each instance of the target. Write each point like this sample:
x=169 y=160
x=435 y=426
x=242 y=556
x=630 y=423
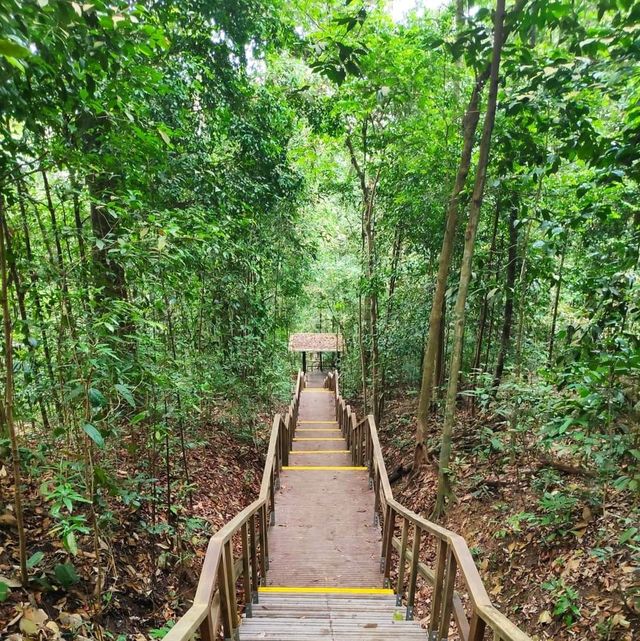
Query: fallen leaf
x=12 y=583
x=545 y=617
x=619 y=620
x=8 y=520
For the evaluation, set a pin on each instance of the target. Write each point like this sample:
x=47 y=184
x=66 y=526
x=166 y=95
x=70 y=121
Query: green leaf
x=96 y=397
x=66 y=574
x=93 y=434
x=4 y=591
x=34 y=559
x=14 y=62
x=9 y=48
x=70 y=543
x=125 y=392
x=628 y=534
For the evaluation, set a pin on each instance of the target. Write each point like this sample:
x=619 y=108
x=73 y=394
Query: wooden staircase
x=326 y=552
x=299 y=616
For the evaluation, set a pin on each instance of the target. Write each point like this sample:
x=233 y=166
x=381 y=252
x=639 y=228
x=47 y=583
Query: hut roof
x=316 y=343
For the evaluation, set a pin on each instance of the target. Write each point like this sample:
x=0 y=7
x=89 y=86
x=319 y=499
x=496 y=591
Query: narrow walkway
x=324 y=533
x=324 y=579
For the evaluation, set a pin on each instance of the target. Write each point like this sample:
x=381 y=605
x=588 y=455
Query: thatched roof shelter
x=316 y=343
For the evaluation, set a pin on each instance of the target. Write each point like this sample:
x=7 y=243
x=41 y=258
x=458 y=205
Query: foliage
x=184 y=184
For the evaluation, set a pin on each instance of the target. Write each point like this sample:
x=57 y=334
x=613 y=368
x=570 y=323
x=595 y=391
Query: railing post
x=376 y=494
x=447 y=594
x=272 y=496
x=264 y=544
x=413 y=576
x=275 y=473
x=347 y=422
x=207 y=631
x=476 y=627
x=246 y=570
x=354 y=445
x=387 y=545
x=233 y=604
x=228 y=611
x=253 y=545
x=285 y=442
x=438 y=588
x=352 y=431
x=401 y=564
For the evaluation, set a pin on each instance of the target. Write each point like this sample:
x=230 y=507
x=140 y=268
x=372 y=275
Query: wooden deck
x=324 y=579
x=317 y=571
x=324 y=533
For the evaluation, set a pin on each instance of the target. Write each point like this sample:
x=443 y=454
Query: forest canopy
x=455 y=191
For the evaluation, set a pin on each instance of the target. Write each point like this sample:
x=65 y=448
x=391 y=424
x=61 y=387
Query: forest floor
x=150 y=572
x=554 y=555
x=562 y=568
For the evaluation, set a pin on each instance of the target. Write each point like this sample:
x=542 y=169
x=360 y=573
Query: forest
x=454 y=187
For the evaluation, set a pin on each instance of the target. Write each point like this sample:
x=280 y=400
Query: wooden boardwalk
x=324 y=533
x=324 y=579
x=306 y=560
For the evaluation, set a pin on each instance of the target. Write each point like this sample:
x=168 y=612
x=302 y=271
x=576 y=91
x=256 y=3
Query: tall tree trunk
x=512 y=257
x=109 y=274
x=435 y=317
x=77 y=216
x=26 y=329
x=395 y=261
x=65 y=302
x=363 y=363
x=372 y=294
x=477 y=358
x=556 y=302
x=470 y=124
x=9 y=426
x=465 y=268
x=368 y=189
x=442 y=348
x=33 y=280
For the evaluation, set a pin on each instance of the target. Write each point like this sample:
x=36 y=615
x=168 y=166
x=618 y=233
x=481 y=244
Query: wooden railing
x=215 y=603
x=458 y=592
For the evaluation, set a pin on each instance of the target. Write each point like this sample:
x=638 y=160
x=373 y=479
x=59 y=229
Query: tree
x=465 y=268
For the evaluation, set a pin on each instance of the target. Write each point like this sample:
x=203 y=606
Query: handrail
x=453 y=558
x=215 y=601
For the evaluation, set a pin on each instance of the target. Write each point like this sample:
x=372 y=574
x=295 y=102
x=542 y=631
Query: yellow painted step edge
x=317 y=429
x=319 y=452
x=348 y=468
x=320 y=590
x=322 y=422
x=320 y=438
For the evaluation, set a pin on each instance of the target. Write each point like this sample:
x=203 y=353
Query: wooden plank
x=413 y=576
x=319 y=452
x=246 y=568
x=402 y=560
x=324 y=468
x=438 y=587
x=253 y=545
x=447 y=594
x=324 y=590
